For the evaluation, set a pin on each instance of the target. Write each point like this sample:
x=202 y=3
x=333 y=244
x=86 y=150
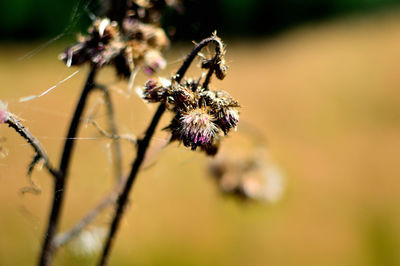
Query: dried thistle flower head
x=155 y=90
x=249 y=177
x=201 y=116
x=137 y=44
x=99 y=47
x=3 y=112
x=194 y=128
x=152 y=36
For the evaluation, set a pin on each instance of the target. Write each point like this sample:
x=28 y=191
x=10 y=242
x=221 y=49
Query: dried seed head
x=180 y=96
x=137 y=44
x=150 y=35
x=101 y=45
x=155 y=90
x=228 y=119
x=201 y=115
x=194 y=128
x=251 y=177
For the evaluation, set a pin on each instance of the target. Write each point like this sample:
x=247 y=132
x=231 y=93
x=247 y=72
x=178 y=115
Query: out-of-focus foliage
x=28 y=19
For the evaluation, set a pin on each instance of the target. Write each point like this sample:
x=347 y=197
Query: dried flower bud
x=219 y=99
x=156 y=90
x=180 y=96
x=212 y=149
x=228 y=118
x=221 y=69
x=207 y=63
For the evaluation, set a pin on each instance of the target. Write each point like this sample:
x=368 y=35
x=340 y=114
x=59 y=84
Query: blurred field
x=327 y=99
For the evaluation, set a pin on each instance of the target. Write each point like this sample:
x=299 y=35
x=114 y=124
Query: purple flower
x=194 y=128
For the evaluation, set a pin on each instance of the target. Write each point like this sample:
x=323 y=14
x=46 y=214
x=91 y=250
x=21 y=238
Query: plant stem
x=65 y=237
x=143 y=144
x=209 y=74
x=116 y=146
x=122 y=199
x=60 y=182
x=34 y=142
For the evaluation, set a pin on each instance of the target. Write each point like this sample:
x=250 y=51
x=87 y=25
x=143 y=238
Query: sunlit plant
x=130 y=39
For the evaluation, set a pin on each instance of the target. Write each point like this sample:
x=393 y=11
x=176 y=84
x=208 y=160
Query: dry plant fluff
x=106 y=44
x=201 y=115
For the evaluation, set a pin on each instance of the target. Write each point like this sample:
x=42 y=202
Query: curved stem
x=60 y=182
x=189 y=59
x=143 y=144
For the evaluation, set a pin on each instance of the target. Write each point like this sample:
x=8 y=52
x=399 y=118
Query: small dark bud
x=221 y=69
x=207 y=63
x=156 y=90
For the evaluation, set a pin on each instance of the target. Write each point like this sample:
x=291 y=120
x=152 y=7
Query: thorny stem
x=60 y=182
x=34 y=142
x=143 y=145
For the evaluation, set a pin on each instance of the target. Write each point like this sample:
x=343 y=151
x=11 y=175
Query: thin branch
x=113 y=136
x=63 y=238
x=60 y=183
x=34 y=142
x=143 y=145
x=116 y=146
x=122 y=199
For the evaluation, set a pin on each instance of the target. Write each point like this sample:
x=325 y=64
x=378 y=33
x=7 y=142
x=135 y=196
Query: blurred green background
x=27 y=19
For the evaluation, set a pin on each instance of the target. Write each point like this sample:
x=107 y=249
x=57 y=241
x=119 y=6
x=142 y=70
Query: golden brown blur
x=326 y=97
